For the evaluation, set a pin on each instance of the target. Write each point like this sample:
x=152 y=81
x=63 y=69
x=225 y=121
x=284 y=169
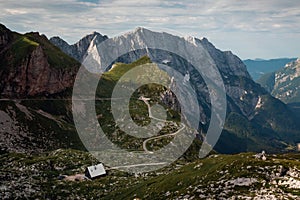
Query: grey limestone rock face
x=233 y=71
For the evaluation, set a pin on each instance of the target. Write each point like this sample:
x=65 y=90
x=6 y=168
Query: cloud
x=15 y=11
x=72 y=19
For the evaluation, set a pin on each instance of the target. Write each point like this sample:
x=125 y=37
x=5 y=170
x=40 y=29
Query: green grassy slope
x=21 y=47
x=137 y=108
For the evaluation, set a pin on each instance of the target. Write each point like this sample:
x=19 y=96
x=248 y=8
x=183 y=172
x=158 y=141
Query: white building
x=95 y=171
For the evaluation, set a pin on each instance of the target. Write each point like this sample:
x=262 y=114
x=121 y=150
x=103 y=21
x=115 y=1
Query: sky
x=250 y=29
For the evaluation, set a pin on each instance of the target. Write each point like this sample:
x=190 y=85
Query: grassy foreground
x=216 y=177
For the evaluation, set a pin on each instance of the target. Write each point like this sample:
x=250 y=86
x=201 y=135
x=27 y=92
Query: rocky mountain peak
x=88 y=38
x=140 y=30
x=57 y=39
x=204 y=41
x=146 y=42
x=79 y=49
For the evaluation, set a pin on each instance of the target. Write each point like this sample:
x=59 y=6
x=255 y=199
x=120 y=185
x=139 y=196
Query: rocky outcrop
x=79 y=49
x=168 y=98
x=30 y=73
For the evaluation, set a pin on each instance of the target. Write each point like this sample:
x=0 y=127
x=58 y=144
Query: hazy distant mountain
x=79 y=49
x=259 y=67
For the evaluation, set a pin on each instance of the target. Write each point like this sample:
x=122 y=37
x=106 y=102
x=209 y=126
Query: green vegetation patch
x=22 y=47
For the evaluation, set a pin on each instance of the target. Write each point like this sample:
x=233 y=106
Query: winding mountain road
x=151 y=116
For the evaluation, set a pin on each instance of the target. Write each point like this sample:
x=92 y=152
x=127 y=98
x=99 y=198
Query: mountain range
x=33 y=67
x=255 y=120
x=40 y=144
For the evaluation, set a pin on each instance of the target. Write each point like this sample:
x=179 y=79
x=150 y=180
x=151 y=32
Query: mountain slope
x=222 y=177
x=284 y=84
x=267 y=81
x=248 y=102
x=36 y=80
x=138 y=109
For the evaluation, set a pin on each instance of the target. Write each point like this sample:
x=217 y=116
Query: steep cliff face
x=79 y=49
x=34 y=76
x=227 y=62
x=30 y=66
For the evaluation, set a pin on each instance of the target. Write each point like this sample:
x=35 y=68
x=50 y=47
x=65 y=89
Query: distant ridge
x=284 y=83
x=259 y=67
